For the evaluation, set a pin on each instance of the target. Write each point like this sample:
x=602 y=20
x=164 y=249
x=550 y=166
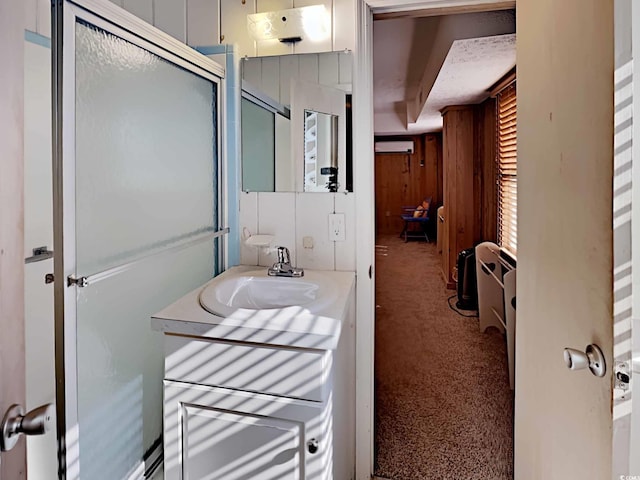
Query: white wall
x=169 y=16
x=12 y=384
x=38 y=225
x=292 y=216
x=202 y=22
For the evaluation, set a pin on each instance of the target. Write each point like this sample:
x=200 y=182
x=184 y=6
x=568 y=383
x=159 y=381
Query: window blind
x=507 y=169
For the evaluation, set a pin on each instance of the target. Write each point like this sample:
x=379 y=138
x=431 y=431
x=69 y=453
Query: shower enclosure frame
x=112 y=19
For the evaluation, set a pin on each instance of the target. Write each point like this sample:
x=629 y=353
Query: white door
x=12 y=362
x=566 y=261
x=318 y=137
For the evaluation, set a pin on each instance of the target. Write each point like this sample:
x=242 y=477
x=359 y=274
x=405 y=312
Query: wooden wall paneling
x=431 y=167
x=448 y=182
x=468 y=179
x=416 y=176
x=401 y=180
x=392 y=186
x=433 y=177
x=487 y=139
x=464 y=188
x=439 y=169
x=478 y=125
x=459 y=191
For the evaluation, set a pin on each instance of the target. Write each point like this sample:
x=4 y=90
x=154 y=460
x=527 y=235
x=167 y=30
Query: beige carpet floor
x=444 y=409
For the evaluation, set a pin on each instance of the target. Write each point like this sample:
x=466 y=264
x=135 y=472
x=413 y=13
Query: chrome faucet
x=283 y=268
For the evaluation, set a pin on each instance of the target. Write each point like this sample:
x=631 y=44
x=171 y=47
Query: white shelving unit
x=496 y=278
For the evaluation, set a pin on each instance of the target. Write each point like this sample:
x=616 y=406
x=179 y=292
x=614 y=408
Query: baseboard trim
x=153 y=458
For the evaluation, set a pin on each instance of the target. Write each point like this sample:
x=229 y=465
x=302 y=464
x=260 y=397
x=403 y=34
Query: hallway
x=444 y=409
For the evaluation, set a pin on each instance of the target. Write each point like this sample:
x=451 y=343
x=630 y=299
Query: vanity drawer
x=257 y=368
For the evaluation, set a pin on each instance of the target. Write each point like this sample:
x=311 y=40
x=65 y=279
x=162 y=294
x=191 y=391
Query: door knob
x=15 y=423
x=591 y=358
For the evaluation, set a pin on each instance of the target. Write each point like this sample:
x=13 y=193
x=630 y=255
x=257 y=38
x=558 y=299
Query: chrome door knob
x=591 y=358
x=15 y=423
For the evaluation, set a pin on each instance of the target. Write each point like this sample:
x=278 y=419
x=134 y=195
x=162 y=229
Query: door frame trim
x=363 y=147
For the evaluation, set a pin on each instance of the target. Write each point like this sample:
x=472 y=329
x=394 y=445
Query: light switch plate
x=336 y=227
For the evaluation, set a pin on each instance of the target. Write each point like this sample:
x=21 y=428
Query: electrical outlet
x=336 y=227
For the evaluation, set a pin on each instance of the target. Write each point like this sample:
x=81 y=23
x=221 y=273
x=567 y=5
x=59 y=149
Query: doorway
x=443 y=403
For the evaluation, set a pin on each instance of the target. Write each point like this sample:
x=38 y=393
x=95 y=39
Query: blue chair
x=418 y=216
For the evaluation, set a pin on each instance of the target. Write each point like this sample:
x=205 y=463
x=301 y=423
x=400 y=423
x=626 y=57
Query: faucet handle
x=283 y=255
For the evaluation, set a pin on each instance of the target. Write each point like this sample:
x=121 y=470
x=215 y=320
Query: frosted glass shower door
x=138 y=223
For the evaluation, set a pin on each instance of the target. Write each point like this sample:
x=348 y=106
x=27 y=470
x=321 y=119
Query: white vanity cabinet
x=235 y=410
x=265 y=394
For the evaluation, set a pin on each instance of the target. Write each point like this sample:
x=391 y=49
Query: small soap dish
x=259 y=240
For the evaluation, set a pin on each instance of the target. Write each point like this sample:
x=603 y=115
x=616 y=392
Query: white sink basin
x=255 y=290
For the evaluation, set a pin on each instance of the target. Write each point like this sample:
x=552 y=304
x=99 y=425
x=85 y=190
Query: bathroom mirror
x=285 y=118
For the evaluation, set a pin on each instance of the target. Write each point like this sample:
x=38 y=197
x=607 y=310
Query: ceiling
x=421 y=63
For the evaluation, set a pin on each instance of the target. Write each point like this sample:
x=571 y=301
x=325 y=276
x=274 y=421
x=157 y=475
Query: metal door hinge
x=80 y=281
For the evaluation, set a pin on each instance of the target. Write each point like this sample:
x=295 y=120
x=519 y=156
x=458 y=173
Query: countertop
x=289 y=326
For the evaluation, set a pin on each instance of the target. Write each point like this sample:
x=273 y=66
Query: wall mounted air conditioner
x=405 y=146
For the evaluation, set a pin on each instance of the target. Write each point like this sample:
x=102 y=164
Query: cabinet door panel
x=224 y=434
x=240 y=446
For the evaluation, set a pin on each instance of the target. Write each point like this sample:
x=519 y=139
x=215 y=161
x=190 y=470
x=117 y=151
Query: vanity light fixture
x=311 y=23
